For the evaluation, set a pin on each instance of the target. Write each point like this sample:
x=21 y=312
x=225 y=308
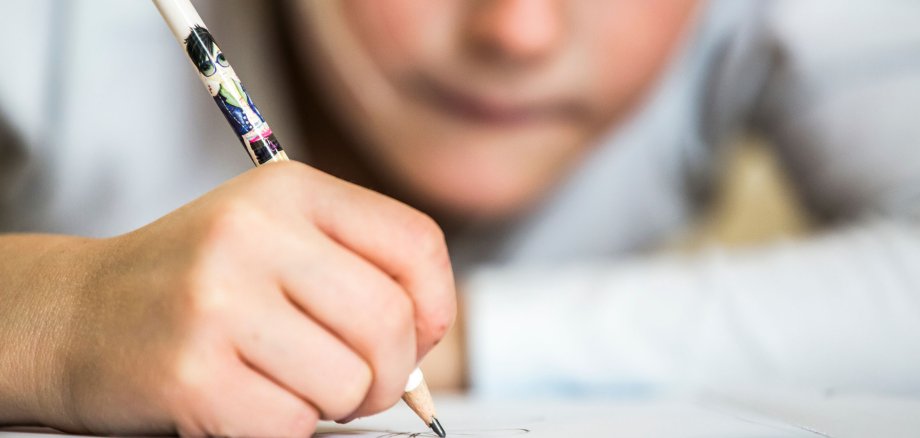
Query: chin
x=483 y=175
x=486 y=206
x=471 y=195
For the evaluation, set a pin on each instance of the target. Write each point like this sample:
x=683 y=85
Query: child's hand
x=445 y=366
x=281 y=297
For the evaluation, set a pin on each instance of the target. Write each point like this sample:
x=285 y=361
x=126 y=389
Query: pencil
x=419 y=399
x=258 y=140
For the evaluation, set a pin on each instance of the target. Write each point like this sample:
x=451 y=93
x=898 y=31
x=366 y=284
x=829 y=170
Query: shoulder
x=729 y=52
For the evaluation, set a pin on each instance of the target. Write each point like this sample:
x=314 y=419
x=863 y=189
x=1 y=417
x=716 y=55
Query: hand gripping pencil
x=260 y=143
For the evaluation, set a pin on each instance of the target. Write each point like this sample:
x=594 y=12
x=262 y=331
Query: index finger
x=403 y=242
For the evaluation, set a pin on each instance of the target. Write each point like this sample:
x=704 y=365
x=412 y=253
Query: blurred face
x=478 y=107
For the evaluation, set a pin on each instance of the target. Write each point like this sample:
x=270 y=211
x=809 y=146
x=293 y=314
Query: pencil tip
x=437 y=428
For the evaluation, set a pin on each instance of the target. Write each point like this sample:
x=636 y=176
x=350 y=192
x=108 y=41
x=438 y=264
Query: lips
x=487 y=109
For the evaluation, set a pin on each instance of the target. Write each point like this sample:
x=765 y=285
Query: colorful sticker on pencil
x=229 y=94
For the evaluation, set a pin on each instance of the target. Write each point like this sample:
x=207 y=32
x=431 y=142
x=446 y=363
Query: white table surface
x=715 y=414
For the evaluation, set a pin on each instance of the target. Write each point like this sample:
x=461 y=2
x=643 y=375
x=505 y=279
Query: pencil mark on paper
x=764 y=424
x=485 y=433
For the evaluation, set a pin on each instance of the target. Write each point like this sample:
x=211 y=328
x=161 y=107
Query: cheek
x=397 y=34
x=629 y=46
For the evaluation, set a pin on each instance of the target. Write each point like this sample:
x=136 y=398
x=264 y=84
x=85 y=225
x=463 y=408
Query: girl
x=547 y=139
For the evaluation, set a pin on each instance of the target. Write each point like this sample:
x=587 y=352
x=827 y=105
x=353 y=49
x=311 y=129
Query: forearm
x=39 y=278
x=837 y=310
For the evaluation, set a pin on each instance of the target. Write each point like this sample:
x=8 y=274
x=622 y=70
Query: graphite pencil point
x=437 y=428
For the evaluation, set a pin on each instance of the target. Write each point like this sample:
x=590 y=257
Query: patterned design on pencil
x=231 y=97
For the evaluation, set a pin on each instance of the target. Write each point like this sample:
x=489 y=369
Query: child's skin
x=250 y=311
x=476 y=108
x=257 y=311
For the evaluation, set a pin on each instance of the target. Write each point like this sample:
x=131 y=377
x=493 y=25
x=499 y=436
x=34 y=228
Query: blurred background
x=753 y=204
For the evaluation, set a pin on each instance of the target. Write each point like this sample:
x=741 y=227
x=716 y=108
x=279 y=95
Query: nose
x=516 y=31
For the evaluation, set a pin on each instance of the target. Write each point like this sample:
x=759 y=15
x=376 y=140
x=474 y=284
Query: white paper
x=463 y=417
x=836 y=414
x=746 y=415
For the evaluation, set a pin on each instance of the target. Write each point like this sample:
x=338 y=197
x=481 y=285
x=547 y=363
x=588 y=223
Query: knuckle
x=398 y=315
x=203 y=300
x=191 y=379
x=385 y=402
x=391 y=391
x=352 y=391
x=435 y=323
x=226 y=238
x=229 y=220
x=424 y=234
x=435 y=314
x=300 y=423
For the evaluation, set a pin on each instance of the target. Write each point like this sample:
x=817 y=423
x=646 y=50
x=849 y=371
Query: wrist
x=41 y=281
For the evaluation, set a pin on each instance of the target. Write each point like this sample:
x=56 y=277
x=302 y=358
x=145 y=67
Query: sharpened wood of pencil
x=419 y=399
x=260 y=143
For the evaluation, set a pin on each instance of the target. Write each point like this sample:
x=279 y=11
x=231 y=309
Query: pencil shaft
x=221 y=81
